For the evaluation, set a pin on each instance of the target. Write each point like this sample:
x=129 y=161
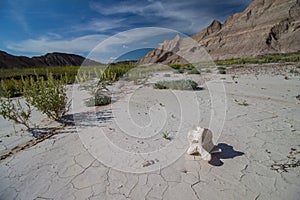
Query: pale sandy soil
x=118 y=151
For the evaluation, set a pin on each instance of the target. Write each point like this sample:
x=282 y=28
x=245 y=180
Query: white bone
x=200 y=141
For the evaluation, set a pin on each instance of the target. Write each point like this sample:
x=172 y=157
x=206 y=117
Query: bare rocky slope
x=265 y=27
x=49 y=59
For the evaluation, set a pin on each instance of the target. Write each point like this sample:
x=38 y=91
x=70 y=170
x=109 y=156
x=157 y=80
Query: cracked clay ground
x=71 y=165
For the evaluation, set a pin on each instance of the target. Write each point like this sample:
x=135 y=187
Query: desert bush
x=176 y=66
x=48 y=96
x=14 y=111
x=137 y=76
x=11 y=87
x=115 y=71
x=68 y=79
x=194 y=71
x=181 y=68
x=109 y=74
x=207 y=71
x=180 y=71
x=294 y=71
x=99 y=94
x=176 y=85
x=271 y=58
x=244 y=103
x=222 y=70
x=98 y=100
x=166 y=135
x=188 y=66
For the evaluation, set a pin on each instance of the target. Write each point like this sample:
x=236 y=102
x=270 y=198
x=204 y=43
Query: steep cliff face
x=265 y=27
x=50 y=59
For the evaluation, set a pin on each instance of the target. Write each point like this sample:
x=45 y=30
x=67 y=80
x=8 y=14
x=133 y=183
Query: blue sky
x=36 y=27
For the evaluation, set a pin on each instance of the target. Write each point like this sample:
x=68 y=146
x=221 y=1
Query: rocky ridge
x=265 y=27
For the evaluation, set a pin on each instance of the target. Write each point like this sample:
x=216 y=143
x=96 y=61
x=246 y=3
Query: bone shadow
x=227 y=152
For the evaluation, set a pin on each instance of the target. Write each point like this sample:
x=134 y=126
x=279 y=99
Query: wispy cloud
x=98 y=47
x=185 y=16
x=155 y=13
x=131 y=40
x=60 y=30
x=18 y=13
x=99 y=25
x=46 y=44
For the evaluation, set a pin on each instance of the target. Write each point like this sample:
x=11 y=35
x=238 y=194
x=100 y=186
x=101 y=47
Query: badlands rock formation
x=265 y=27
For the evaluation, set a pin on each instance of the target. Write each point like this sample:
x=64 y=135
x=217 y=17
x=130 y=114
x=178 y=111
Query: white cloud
x=46 y=44
x=185 y=16
x=99 y=47
x=131 y=40
x=99 y=25
x=153 y=8
x=176 y=15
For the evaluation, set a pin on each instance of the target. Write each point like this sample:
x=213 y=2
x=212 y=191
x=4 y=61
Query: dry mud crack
x=256 y=138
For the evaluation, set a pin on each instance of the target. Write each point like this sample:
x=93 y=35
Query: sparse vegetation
x=294 y=71
x=272 y=58
x=222 y=70
x=181 y=68
x=11 y=79
x=138 y=76
x=11 y=87
x=99 y=95
x=98 y=100
x=176 y=66
x=176 y=85
x=194 y=71
x=243 y=103
x=180 y=71
x=290 y=163
x=166 y=135
x=14 y=111
x=48 y=96
x=208 y=71
x=116 y=71
x=234 y=78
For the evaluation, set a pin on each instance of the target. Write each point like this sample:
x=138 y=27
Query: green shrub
x=176 y=66
x=166 y=135
x=99 y=94
x=222 y=70
x=176 y=85
x=68 y=79
x=167 y=75
x=11 y=87
x=294 y=71
x=48 y=96
x=115 y=71
x=244 y=103
x=271 y=58
x=180 y=71
x=208 y=71
x=160 y=85
x=194 y=71
x=98 y=100
x=188 y=66
x=15 y=112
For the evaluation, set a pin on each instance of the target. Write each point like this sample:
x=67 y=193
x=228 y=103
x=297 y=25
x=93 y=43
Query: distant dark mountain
x=49 y=59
